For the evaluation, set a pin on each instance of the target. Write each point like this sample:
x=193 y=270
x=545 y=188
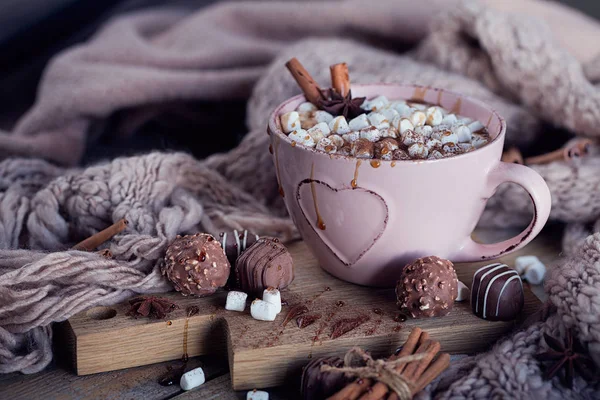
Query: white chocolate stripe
x=490 y=284
x=504 y=287
x=237 y=241
x=256 y=237
x=245 y=239
x=494 y=266
x=224 y=241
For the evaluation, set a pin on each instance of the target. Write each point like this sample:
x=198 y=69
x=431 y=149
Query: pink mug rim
x=273 y=125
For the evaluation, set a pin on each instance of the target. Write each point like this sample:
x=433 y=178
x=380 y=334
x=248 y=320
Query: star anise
x=336 y=104
x=151 y=306
x=570 y=356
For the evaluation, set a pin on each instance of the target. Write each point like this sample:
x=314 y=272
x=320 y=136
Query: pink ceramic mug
x=365 y=219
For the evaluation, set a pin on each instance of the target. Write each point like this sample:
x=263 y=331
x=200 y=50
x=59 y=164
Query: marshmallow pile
x=389 y=130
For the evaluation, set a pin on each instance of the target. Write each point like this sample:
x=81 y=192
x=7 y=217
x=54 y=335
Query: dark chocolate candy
x=427 y=287
x=234 y=243
x=497 y=293
x=196 y=264
x=320 y=385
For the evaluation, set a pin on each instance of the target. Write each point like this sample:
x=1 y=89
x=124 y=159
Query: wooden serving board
x=264 y=354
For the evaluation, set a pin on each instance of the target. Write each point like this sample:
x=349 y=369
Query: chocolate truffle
x=196 y=264
x=234 y=243
x=320 y=385
x=427 y=287
x=497 y=293
x=267 y=263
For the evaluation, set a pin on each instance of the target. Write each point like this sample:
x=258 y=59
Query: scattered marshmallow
x=301 y=136
x=475 y=126
x=418 y=150
x=462 y=132
x=418 y=118
x=327 y=146
x=290 y=121
x=449 y=119
x=371 y=134
x=192 y=379
x=306 y=107
x=236 y=301
x=351 y=137
x=257 y=395
x=319 y=131
x=434 y=116
x=390 y=114
x=376 y=104
x=378 y=120
x=339 y=125
x=263 y=310
x=424 y=130
x=337 y=140
x=404 y=125
x=358 y=123
x=322 y=116
x=531 y=269
x=411 y=137
x=273 y=296
x=463 y=292
x=449 y=137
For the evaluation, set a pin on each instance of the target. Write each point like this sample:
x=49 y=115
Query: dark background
x=31 y=31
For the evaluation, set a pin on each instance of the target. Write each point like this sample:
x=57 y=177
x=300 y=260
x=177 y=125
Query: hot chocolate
x=387 y=130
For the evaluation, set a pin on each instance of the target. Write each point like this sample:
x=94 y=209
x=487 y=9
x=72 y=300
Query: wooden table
x=58 y=382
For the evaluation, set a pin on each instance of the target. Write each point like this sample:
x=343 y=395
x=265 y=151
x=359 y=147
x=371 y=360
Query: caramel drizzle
x=277 y=141
x=320 y=222
x=457 y=106
x=375 y=163
x=393 y=164
x=353 y=182
x=419 y=94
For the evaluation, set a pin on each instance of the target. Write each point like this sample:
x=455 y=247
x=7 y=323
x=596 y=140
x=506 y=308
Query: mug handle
x=538 y=190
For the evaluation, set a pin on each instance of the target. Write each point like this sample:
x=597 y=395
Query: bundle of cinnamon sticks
x=418 y=373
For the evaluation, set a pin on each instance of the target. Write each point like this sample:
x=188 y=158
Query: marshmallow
x=404 y=110
x=290 y=121
x=390 y=132
x=475 y=126
x=449 y=119
x=257 y=395
x=362 y=148
x=463 y=292
x=306 y=107
x=371 y=134
x=384 y=149
x=478 y=140
x=404 y=124
x=339 y=125
x=351 y=137
x=336 y=140
x=192 y=379
x=263 y=310
x=462 y=132
x=434 y=116
x=531 y=269
x=273 y=296
x=326 y=145
x=418 y=118
x=418 y=106
x=345 y=149
x=390 y=114
x=358 y=123
x=451 y=148
x=411 y=137
x=424 y=130
x=322 y=116
x=418 y=150
x=400 y=154
x=449 y=137
x=435 y=155
x=464 y=120
x=319 y=131
x=302 y=137
x=378 y=120
x=466 y=147
x=376 y=104
x=236 y=301
x=433 y=144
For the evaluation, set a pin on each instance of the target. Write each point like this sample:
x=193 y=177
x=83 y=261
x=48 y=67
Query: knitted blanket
x=531 y=74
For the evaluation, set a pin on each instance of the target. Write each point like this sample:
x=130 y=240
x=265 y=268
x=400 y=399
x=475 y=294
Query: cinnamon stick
x=353 y=390
x=434 y=370
x=309 y=87
x=101 y=237
x=340 y=79
x=414 y=370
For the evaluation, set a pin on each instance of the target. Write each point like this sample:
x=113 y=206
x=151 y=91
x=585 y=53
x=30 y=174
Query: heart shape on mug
x=353 y=218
